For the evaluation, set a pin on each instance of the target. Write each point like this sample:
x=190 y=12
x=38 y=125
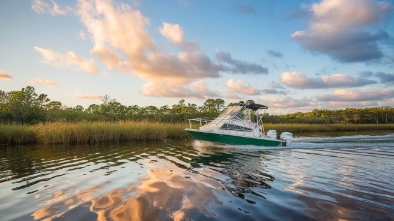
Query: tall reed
x=97 y=132
x=16 y=134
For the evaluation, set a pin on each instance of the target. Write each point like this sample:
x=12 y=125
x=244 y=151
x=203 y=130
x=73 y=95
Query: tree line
x=28 y=107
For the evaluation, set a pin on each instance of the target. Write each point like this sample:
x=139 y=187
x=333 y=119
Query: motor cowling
x=287 y=136
x=271 y=134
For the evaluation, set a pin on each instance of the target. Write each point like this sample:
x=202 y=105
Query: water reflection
x=178 y=181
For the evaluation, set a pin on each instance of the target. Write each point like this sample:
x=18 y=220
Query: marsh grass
x=16 y=134
x=101 y=132
x=90 y=132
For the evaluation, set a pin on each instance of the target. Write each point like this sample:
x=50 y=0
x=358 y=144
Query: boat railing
x=203 y=121
x=218 y=123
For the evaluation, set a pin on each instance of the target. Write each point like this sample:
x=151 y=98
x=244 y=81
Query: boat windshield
x=233 y=112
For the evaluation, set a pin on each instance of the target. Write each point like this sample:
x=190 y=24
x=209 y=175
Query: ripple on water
x=313 y=178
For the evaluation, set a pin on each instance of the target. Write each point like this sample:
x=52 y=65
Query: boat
x=235 y=126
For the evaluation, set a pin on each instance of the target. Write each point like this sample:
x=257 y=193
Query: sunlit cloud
x=240 y=87
x=173 y=32
x=49 y=6
x=122 y=42
x=43 y=82
x=88 y=96
x=70 y=59
x=361 y=95
x=4 y=75
x=197 y=90
x=120 y=37
x=347 y=31
x=237 y=89
x=301 y=81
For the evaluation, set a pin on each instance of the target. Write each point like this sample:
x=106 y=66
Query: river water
x=314 y=178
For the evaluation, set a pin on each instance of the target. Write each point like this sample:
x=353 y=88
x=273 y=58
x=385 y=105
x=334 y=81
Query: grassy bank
x=100 y=132
x=90 y=132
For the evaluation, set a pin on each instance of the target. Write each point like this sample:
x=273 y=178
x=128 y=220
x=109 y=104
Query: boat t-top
x=234 y=126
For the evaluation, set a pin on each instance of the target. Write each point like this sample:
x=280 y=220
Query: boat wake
x=359 y=141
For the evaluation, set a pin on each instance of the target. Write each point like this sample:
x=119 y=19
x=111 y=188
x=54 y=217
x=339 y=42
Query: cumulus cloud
x=49 y=6
x=238 y=88
x=174 y=33
x=238 y=66
x=301 y=81
x=88 y=96
x=122 y=42
x=70 y=59
x=274 y=53
x=4 y=75
x=361 y=95
x=197 y=90
x=343 y=29
x=43 y=82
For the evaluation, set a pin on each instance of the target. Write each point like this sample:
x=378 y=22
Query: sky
x=288 y=55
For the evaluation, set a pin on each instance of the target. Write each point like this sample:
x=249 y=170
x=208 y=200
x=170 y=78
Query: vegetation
x=28 y=117
x=90 y=132
x=27 y=107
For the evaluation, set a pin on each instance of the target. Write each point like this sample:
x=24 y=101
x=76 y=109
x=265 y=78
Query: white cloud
x=301 y=81
x=121 y=41
x=240 y=87
x=173 y=32
x=70 y=59
x=347 y=31
x=43 y=82
x=197 y=90
x=4 y=75
x=88 y=96
x=49 y=6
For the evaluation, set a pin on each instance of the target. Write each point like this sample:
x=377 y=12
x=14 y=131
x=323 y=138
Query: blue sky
x=291 y=56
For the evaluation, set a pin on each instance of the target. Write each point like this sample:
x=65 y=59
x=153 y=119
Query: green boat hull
x=233 y=140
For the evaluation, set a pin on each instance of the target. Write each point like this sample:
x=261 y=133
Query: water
x=347 y=178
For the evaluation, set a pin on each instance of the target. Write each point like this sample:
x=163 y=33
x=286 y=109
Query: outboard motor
x=271 y=134
x=287 y=136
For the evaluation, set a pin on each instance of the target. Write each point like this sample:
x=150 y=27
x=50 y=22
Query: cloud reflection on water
x=162 y=194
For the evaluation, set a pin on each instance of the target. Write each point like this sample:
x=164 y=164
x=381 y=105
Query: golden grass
x=93 y=132
x=16 y=134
